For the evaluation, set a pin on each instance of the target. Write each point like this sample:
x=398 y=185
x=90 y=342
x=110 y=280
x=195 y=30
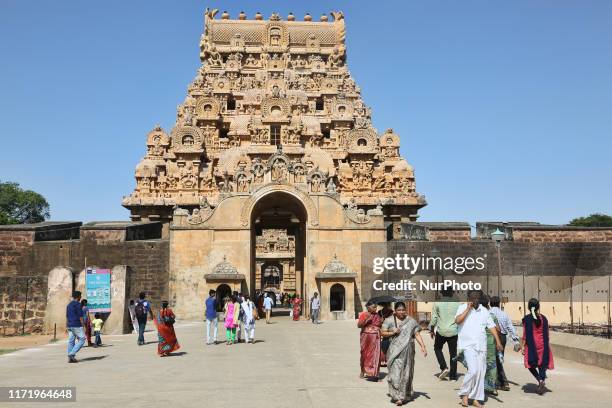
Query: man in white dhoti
x=473 y=320
x=248 y=319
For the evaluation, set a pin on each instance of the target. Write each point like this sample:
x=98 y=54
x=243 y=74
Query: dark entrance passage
x=278 y=237
x=223 y=292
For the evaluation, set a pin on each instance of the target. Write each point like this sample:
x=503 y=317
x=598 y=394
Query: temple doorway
x=278 y=237
x=222 y=292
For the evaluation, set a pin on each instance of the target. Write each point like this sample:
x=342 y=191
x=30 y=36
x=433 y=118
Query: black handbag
x=386 y=342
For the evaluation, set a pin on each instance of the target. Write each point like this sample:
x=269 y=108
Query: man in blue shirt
x=211 y=317
x=142 y=308
x=74 y=326
x=268 y=307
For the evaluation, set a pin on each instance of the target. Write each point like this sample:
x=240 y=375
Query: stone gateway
x=273 y=173
x=271 y=179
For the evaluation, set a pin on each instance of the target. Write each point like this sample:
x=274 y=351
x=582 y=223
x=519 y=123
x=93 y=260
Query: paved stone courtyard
x=293 y=364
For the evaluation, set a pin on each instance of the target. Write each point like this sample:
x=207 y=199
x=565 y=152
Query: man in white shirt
x=267 y=307
x=315 y=305
x=472 y=320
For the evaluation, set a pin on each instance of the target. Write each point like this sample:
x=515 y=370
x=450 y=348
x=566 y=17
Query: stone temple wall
x=567 y=268
x=25 y=263
x=17 y=313
x=23 y=258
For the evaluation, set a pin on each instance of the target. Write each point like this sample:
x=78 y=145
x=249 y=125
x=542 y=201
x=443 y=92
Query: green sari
x=491 y=375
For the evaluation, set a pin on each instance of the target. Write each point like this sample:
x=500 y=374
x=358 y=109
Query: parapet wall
x=534 y=232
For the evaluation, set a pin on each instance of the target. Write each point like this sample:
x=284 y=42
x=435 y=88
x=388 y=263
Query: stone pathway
x=293 y=364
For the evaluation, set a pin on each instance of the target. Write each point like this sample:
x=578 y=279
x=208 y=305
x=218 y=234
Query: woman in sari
x=232 y=309
x=165 y=331
x=297 y=303
x=536 y=346
x=369 y=322
x=86 y=322
x=490 y=383
x=403 y=330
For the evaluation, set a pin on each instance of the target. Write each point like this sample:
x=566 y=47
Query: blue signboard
x=98 y=287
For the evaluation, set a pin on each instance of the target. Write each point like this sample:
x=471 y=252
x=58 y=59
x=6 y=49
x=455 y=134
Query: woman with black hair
x=369 y=322
x=536 y=344
x=86 y=322
x=167 y=342
x=403 y=330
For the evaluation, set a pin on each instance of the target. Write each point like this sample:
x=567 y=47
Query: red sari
x=297 y=302
x=370 y=343
x=165 y=333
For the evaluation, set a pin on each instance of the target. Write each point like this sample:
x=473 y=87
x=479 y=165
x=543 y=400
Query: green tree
x=18 y=206
x=593 y=220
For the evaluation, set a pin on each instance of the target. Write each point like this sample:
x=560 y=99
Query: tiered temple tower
x=273 y=100
x=273 y=174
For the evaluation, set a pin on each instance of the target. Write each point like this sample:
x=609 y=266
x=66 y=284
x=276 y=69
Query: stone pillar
x=298 y=281
x=79 y=283
x=118 y=321
x=59 y=293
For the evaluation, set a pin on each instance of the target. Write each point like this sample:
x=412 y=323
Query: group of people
x=79 y=326
x=164 y=321
x=476 y=333
x=240 y=314
x=265 y=301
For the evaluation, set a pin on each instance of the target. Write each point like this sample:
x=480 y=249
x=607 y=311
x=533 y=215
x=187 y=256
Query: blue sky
x=504 y=107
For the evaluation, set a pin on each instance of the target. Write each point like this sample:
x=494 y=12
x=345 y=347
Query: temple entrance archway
x=278 y=244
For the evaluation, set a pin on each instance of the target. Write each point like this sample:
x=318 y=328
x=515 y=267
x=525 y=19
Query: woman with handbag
x=403 y=330
x=165 y=331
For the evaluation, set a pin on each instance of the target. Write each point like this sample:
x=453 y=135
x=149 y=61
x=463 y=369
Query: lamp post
x=435 y=253
x=497 y=236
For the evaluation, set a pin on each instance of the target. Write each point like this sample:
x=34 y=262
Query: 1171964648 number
x=14 y=394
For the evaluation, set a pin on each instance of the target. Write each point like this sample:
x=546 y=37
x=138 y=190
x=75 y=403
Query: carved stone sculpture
x=272 y=83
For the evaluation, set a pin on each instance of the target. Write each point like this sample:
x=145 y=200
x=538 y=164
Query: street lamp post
x=498 y=236
x=435 y=253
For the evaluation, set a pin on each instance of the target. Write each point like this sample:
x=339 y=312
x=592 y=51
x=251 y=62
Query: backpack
x=141 y=311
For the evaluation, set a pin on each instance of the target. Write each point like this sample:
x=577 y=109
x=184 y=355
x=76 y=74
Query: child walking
x=97 y=326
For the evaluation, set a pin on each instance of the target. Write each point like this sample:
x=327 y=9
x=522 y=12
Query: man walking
x=506 y=329
x=211 y=318
x=315 y=305
x=74 y=326
x=445 y=329
x=267 y=307
x=472 y=321
x=142 y=308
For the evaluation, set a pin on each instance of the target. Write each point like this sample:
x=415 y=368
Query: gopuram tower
x=273 y=173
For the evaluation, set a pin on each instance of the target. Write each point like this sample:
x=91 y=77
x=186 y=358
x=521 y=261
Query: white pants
x=249 y=332
x=211 y=335
x=473 y=382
